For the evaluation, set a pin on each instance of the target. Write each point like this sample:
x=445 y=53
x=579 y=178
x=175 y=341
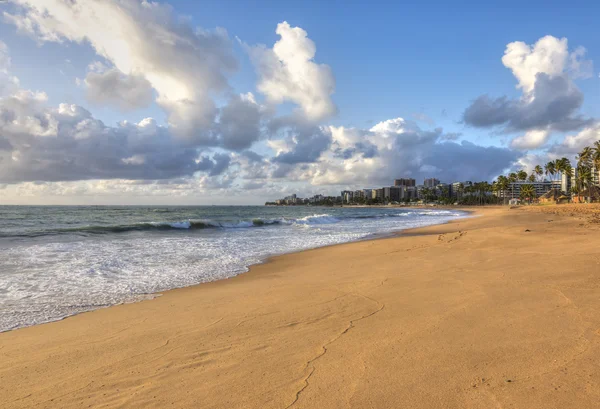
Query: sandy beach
x=501 y=310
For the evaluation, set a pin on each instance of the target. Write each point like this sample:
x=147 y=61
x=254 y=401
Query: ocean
x=56 y=261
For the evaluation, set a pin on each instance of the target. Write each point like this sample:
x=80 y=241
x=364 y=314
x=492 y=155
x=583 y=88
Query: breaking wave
x=315 y=219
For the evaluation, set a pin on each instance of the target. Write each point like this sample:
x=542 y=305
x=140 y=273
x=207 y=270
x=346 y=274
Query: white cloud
x=143 y=40
x=550 y=101
x=113 y=88
x=531 y=139
x=287 y=72
x=574 y=143
x=239 y=122
x=145 y=49
x=548 y=55
x=397 y=147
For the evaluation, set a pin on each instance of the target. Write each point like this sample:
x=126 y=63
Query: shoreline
x=151 y=296
x=479 y=312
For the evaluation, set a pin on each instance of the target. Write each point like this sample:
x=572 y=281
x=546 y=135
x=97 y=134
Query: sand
x=497 y=311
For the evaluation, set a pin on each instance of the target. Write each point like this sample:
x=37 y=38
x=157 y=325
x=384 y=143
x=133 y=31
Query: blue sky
x=425 y=62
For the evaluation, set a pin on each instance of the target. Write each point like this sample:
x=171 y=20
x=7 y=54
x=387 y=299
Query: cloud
x=41 y=143
x=552 y=103
x=8 y=83
x=142 y=40
x=147 y=52
x=531 y=139
x=403 y=150
x=550 y=99
x=239 y=122
x=574 y=143
x=549 y=55
x=303 y=146
x=113 y=88
x=287 y=72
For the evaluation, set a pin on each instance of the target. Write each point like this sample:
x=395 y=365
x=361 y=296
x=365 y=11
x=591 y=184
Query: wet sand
x=496 y=311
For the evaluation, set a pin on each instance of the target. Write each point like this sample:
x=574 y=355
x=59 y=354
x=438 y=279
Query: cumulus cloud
x=239 y=122
x=402 y=149
x=147 y=52
x=8 y=83
x=574 y=143
x=552 y=103
x=550 y=99
x=43 y=143
x=302 y=146
x=113 y=88
x=549 y=55
x=142 y=40
x=68 y=143
x=531 y=139
x=288 y=73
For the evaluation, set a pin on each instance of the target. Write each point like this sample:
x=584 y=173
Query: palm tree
x=522 y=175
x=528 y=192
x=531 y=178
x=549 y=169
x=596 y=155
x=575 y=190
x=584 y=178
x=584 y=159
x=512 y=178
x=567 y=170
x=538 y=171
x=460 y=190
x=588 y=182
x=503 y=185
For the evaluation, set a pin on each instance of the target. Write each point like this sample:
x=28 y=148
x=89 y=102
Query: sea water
x=59 y=261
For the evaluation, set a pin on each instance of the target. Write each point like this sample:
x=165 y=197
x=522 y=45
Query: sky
x=186 y=102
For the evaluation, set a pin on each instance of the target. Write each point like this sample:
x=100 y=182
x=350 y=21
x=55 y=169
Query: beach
x=498 y=310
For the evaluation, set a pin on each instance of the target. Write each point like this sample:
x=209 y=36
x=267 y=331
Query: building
x=409 y=193
x=566 y=181
x=458 y=189
x=377 y=194
x=431 y=183
x=569 y=180
x=316 y=199
x=347 y=196
x=443 y=190
x=404 y=182
x=393 y=193
x=514 y=189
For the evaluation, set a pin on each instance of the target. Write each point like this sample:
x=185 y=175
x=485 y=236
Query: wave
x=316 y=219
x=306 y=221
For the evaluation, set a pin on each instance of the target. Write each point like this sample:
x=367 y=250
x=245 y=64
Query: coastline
x=417 y=318
x=152 y=295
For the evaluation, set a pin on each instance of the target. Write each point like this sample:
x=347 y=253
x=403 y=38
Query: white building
x=514 y=189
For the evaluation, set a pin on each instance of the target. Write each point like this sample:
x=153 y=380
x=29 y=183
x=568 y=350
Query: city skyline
x=179 y=103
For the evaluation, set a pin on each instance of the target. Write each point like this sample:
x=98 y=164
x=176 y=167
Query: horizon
x=182 y=105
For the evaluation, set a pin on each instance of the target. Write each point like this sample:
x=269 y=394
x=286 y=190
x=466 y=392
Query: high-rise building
x=347 y=196
x=409 y=193
x=458 y=188
x=431 y=182
x=396 y=193
x=404 y=182
x=393 y=193
x=377 y=194
x=514 y=189
x=566 y=181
